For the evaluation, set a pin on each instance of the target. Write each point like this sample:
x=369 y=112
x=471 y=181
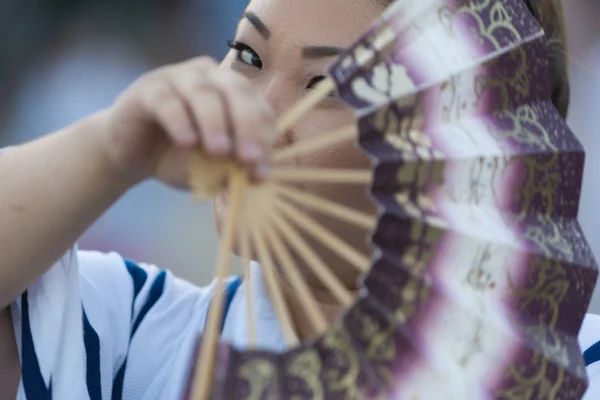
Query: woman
x=95 y=325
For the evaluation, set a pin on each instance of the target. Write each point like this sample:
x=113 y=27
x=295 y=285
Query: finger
x=207 y=109
x=163 y=104
x=174 y=168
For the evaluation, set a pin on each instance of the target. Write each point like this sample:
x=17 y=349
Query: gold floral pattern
x=343 y=373
x=258 y=373
x=306 y=366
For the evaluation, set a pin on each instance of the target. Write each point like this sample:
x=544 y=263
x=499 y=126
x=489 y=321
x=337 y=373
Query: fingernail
x=188 y=136
x=220 y=142
x=261 y=171
x=250 y=151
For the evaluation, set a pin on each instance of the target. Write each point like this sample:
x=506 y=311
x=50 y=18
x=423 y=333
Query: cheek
x=320 y=121
x=344 y=155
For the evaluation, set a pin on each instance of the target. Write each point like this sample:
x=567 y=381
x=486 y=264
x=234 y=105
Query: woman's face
x=285 y=48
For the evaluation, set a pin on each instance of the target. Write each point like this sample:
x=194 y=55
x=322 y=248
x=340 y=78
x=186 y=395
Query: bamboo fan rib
x=321 y=175
x=245 y=252
x=334 y=243
x=312 y=260
x=327 y=207
x=310 y=101
x=314 y=144
x=480 y=274
x=304 y=295
x=237 y=183
x=270 y=273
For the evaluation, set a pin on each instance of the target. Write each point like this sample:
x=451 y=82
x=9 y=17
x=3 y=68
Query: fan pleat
x=440 y=322
x=552 y=281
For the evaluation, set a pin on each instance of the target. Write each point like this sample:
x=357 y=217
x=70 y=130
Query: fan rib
x=269 y=269
x=305 y=296
x=328 y=207
x=322 y=175
x=245 y=260
x=315 y=144
x=332 y=241
x=313 y=261
x=205 y=363
x=324 y=87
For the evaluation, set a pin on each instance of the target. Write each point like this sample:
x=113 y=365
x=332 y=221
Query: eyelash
x=239 y=48
x=314 y=81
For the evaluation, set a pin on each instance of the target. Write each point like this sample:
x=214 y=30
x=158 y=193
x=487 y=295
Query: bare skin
x=51 y=194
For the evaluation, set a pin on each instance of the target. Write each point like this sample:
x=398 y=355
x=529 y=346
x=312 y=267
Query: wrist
x=96 y=129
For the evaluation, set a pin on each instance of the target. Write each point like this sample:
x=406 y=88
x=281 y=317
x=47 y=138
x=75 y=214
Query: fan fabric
x=481 y=274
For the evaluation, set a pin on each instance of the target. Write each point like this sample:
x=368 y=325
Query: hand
x=156 y=123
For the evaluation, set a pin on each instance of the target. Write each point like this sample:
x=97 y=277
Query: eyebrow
x=309 y=52
x=312 y=52
x=258 y=24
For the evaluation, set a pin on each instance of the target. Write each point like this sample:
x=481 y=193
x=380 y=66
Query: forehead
x=316 y=22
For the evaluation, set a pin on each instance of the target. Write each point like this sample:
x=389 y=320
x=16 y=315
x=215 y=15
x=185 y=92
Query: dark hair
x=549 y=14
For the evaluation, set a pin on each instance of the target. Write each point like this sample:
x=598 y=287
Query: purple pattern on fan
x=251 y=374
x=391 y=286
x=577 y=276
x=519 y=171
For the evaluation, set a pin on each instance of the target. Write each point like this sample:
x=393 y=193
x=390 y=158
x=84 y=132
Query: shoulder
x=152 y=317
x=589 y=333
x=131 y=326
x=136 y=293
x=114 y=277
x=589 y=341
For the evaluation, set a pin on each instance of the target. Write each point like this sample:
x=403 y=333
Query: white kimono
x=99 y=327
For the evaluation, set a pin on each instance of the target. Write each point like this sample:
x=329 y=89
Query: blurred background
x=61 y=60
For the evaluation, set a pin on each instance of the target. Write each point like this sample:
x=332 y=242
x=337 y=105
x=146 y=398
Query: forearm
x=51 y=191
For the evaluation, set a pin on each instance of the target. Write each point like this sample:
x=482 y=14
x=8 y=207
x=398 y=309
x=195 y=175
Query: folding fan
x=480 y=274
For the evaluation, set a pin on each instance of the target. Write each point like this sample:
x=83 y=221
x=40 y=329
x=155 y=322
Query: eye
x=245 y=54
x=314 y=81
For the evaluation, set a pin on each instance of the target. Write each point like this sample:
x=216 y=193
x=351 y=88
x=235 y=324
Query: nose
x=281 y=95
